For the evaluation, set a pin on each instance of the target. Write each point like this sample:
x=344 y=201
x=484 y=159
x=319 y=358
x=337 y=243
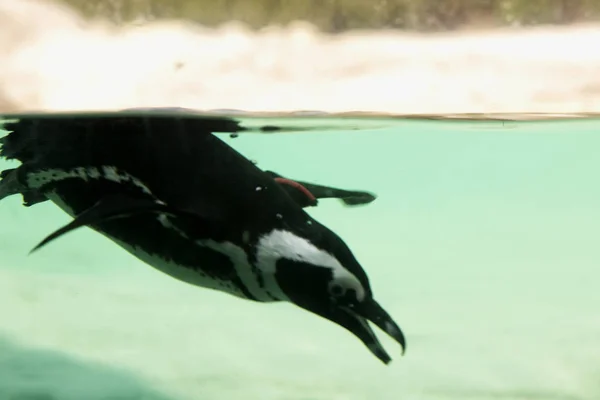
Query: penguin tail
x=15 y=143
x=41 y=140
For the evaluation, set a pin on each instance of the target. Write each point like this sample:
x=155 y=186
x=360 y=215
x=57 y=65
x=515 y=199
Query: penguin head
x=321 y=275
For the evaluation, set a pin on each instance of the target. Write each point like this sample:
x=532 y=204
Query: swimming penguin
x=180 y=199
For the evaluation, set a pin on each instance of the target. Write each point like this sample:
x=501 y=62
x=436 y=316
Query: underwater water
x=482 y=244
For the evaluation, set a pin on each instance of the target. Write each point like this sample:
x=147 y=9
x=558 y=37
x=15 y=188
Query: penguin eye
x=346 y=291
x=337 y=290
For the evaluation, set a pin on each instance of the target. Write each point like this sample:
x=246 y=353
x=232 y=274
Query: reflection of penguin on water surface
x=180 y=199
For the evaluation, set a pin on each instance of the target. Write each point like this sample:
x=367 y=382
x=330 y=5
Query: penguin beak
x=355 y=319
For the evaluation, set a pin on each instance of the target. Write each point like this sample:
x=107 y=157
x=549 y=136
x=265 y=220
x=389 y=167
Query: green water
x=483 y=244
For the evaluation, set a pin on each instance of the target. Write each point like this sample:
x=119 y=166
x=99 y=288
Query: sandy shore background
x=54 y=59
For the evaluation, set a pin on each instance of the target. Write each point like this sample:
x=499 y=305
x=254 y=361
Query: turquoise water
x=483 y=244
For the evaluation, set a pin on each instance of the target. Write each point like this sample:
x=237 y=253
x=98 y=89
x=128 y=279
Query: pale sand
x=52 y=59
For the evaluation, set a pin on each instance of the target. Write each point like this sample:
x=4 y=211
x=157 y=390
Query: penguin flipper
x=110 y=208
x=348 y=197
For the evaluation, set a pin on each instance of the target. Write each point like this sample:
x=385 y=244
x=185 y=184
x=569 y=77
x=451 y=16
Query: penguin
x=180 y=199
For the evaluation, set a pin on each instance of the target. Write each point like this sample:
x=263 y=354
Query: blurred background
x=399 y=56
x=337 y=16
